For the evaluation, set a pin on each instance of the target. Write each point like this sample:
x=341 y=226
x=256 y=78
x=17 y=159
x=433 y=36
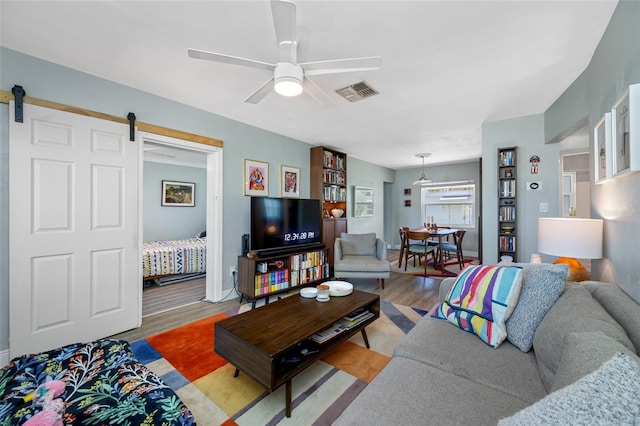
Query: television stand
x=263 y=276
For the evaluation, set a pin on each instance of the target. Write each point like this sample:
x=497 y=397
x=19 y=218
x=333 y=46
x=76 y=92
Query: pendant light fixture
x=423 y=179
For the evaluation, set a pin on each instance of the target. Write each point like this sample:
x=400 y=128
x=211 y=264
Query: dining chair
x=402 y=241
x=416 y=246
x=455 y=248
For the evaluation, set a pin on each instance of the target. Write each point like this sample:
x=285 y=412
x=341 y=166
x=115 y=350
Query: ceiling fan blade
x=227 y=59
x=284 y=21
x=316 y=92
x=335 y=66
x=262 y=91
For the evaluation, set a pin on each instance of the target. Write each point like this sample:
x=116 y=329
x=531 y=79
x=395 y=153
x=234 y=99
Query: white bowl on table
x=339 y=288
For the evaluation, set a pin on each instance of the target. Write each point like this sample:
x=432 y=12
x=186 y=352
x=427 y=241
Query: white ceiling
x=447 y=66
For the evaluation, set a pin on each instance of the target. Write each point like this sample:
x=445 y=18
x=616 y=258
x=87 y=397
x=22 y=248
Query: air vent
x=357 y=91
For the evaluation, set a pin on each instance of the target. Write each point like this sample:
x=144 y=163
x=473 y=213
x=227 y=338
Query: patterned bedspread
x=186 y=256
x=105 y=385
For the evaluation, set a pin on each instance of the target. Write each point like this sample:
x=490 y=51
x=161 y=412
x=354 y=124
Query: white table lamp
x=571 y=238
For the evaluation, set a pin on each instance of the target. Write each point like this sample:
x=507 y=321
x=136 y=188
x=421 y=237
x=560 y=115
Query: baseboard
x=4 y=357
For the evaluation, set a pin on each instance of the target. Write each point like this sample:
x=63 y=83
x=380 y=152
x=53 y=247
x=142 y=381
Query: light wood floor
x=403 y=289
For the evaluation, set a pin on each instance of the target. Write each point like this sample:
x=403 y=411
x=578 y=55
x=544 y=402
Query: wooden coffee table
x=268 y=343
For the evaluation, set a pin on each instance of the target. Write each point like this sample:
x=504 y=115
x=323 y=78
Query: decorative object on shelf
x=289 y=181
x=256 y=178
x=534 y=160
x=508 y=173
x=337 y=212
x=507 y=229
x=178 y=194
x=423 y=178
x=362 y=201
x=602 y=147
x=571 y=238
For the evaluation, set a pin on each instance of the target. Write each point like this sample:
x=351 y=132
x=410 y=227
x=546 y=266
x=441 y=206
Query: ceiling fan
x=290 y=77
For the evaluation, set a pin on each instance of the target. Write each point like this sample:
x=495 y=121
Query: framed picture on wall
x=362 y=201
x=602 y=149
x=289 y=182
x=178 y=194
x=256 y=178
x=620 y=136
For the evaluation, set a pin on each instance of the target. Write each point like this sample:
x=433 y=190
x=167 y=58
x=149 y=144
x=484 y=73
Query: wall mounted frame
x=602 y=149
x=625 y=132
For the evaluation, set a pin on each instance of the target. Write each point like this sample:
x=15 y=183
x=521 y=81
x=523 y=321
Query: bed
x=104 y=384
x=162 y=258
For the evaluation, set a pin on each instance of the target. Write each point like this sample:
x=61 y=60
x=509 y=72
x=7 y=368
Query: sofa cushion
x=575 y=311
x=542 y=284
x=607 y=396
x=481 y=300
x=407 y=392
x=358 y=244
x=622 y=308
x=353 y=263
x=584 y=353
x=505 y=369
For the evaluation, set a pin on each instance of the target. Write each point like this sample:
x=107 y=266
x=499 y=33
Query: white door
x=74 y=250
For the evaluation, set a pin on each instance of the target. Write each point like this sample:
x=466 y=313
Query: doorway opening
x=193 y=227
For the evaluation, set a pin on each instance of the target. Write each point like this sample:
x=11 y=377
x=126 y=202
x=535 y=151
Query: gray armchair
x=361 y=256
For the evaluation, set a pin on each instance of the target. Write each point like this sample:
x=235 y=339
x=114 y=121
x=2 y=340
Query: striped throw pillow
x=481 y=300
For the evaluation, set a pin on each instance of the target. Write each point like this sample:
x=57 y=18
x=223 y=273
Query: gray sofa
x=440 y=374
x=361 y=256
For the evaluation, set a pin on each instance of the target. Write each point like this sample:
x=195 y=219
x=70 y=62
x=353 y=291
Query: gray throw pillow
x=574 y=312
x=358 y=244
x=608 y=396
x=542 y=284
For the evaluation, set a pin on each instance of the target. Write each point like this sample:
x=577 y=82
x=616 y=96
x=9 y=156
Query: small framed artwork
x=407 y=203
x=602 y=149
x=289 y=181
x=407 y=191
x=620 y=136
x=362 y=201
x=178 y=194
x=256 y=178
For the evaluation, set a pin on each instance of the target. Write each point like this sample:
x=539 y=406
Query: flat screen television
x=278 y=223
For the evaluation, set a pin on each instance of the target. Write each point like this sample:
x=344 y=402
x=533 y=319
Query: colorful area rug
x=451 y=268
x=184 y=358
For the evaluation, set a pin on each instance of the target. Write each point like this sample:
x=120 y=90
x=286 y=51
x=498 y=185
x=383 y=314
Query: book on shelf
x=328 y=333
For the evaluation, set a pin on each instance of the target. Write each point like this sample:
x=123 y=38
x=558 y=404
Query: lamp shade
x=570 y=237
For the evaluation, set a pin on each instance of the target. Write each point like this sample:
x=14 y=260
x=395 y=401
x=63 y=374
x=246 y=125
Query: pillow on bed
x=481 y=300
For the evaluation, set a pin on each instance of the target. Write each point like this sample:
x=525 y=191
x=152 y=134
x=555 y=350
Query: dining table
x=439 y=234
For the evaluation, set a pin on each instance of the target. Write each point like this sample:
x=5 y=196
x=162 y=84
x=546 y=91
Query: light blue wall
x=49 y=81
x=614 y=66
x=368 y=175
x=527 y=133
x=411 y=216
x=171 y=222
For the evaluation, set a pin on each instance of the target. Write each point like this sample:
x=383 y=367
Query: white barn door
x=74 y=230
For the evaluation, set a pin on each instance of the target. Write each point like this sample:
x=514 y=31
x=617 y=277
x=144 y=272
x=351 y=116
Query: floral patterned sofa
x=105 y=384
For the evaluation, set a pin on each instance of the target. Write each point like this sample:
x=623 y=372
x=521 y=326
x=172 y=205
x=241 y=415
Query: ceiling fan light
x=288 y=86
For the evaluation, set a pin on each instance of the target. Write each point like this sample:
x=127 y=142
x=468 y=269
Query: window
x=449 y=203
